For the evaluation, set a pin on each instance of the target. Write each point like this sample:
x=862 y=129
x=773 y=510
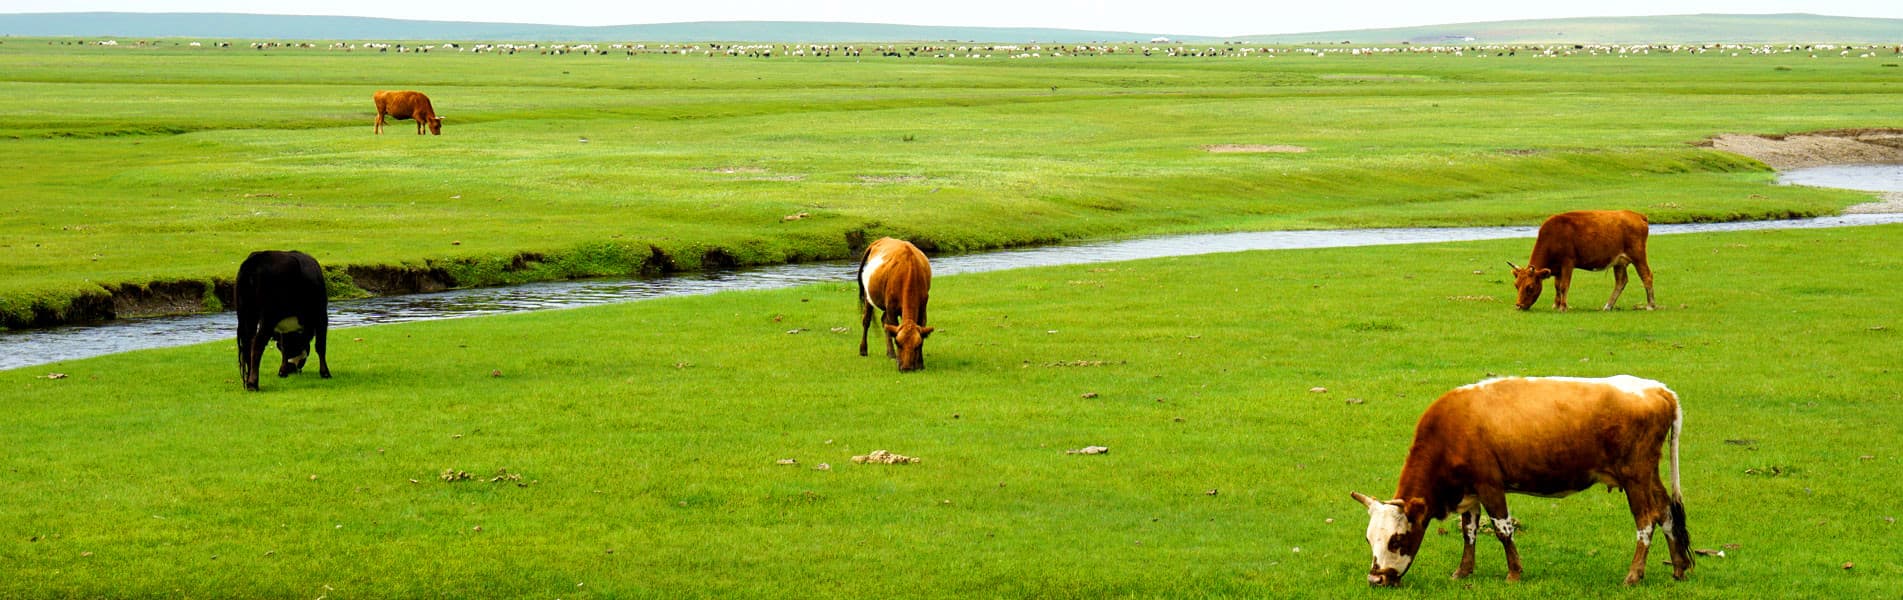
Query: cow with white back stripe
x=1540 y=436
x=895 y=278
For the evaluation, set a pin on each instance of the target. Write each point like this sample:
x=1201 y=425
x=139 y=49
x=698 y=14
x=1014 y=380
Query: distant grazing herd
x=1544 y=436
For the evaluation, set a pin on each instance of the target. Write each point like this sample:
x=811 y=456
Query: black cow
x=280 y=296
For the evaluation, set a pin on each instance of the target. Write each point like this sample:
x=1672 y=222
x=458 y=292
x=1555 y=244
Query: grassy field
x=646 y=437
x=137 y=165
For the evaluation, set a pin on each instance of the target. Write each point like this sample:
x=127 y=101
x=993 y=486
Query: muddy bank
x=110 y=302
x=1816 y=148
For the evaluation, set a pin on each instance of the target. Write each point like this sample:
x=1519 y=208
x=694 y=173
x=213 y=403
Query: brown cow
x=407 y=105
x=1590 y=240
x=1541 y=436
x=896 y=278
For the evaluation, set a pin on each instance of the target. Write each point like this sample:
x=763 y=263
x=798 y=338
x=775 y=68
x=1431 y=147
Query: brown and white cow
x=896 y=278
x=407 y=105
x=1541 y=436
x=1590 y=240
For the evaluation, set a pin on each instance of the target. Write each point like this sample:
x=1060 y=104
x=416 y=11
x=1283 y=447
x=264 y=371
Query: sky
x=1181 y=17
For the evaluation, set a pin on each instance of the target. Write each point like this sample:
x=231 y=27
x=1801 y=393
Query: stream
x=23 y=348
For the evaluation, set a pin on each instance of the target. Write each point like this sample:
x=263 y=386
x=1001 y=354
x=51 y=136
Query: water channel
x=40 y=346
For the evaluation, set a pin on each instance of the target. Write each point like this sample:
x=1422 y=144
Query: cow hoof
x=1462 y=574
x=1513 y=577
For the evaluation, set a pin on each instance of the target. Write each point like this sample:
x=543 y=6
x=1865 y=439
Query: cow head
x=909 y=337
x=435 y=125
x=1395 y=529
x=1530 y=282
x=295 y=347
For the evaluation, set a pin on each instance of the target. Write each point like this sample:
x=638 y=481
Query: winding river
x=41 y=346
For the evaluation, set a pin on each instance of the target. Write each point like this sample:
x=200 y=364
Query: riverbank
x=22 y=348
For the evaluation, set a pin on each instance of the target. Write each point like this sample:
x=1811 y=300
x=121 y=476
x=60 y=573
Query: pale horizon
x=1223 y=19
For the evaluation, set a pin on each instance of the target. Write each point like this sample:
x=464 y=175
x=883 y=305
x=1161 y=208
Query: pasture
x=133 y=165
x=632 y=450
x=646 y=436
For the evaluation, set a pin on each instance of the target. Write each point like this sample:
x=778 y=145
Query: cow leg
x=1645 y=277
x=379 y=123
x=1618 y=285
x=1470 y=532
x=255 y=356
x=890 y=317
x=247 y=368
x=1644 y=498
x=1495 y=501
x=865 y=323
x=323 y=365
x=1561 y=283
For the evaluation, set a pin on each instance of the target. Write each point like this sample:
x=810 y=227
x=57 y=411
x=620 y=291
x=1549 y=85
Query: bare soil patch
x=1890 y=202
x=891 y=178
x=1254 y=148
x=1817 y=148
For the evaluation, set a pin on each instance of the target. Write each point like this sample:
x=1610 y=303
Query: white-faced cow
x=280 y=296
x=1590 y=240
x=896 y=278
x=407 y=105
x=1542 y=436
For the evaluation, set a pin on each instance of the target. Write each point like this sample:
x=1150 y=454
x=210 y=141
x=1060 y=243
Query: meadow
x=137 y=165
x=647 y=438
x=634 y=450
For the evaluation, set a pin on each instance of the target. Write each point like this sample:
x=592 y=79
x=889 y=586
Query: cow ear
x=1364 y=499
x=892 y=329
x=1416 y=510
x=926 y=332
x=1543 y=273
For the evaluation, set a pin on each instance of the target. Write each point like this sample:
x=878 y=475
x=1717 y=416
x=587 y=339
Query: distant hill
x=1794 y=27
x=1666 y=29
x=246 y=26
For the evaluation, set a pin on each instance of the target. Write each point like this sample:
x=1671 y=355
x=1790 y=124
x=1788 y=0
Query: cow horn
x=1364 y=499
x=1511 y=266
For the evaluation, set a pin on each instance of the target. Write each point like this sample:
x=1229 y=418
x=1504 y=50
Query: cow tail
x=859 y=275
x=1678 y=422
x=1680 y=535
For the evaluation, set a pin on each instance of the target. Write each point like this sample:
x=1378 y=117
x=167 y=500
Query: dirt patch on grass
x=1891 y=202
x=1817 y=148
x=1254 y=149
x=891 y=178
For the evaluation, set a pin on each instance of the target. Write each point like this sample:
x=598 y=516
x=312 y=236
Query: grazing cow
x=1542 y=436
x=280 y=296
x=1590 y=240
x=407 y=105
x=896 y=278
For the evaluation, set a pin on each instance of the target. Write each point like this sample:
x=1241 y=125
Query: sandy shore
x=1825 y=148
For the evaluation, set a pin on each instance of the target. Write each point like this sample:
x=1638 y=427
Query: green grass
x=140 y=164
x=648 y=434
